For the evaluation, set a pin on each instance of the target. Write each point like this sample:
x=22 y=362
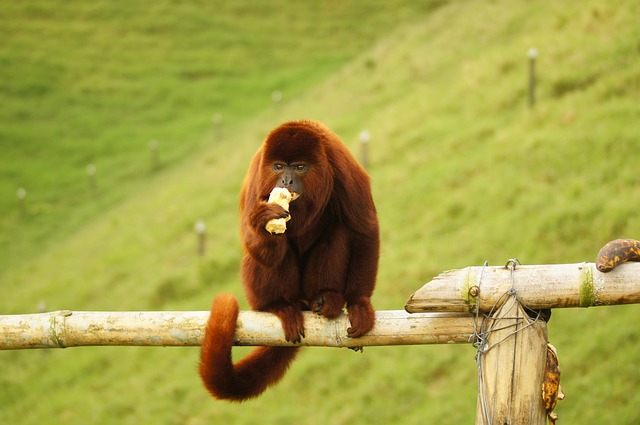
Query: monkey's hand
x=264 y=213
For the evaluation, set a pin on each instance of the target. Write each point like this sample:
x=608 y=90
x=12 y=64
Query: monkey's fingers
x=617 y=252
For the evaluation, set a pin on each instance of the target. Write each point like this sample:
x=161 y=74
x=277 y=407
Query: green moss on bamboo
x=587 y=292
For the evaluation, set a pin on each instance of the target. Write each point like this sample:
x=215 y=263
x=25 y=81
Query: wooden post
x=91 y=173
x=276 y=97
x=201 y=231
x=533 y=54
x=217 y=126
x=22 y=194
x=511 y=364
x=155 y=159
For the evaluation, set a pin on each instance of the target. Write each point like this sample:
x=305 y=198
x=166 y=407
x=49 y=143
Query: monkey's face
x=290 y=176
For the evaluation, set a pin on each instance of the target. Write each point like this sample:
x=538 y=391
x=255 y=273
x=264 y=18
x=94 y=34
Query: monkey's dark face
x=290 y=176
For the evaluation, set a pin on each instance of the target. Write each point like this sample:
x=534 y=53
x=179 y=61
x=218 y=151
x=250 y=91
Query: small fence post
x=201 y=230
x=21 y=193
x=91 y=173
x=511 y=368
x=276 y=97
x=365 y=137
x=155 y=159
x=533 y=54
x=217 y=126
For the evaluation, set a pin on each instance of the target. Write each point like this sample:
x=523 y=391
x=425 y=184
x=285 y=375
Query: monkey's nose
x=287 y=181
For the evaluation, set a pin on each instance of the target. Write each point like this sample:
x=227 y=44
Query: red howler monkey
x=327 y=257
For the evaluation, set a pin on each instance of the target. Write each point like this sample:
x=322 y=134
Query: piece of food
x=282 y=197
x=551 y=389
x=617 y=252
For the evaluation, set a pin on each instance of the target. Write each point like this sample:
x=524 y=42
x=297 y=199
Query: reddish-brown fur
x=328 y=256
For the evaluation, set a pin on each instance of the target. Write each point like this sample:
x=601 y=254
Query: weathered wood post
x=511 y=364
x=513 y=351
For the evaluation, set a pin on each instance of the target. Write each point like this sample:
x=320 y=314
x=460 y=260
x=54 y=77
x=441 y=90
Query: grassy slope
x=92 y=83
x=463 y=172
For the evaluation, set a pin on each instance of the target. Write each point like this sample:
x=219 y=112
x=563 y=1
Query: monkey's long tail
x=249 y=377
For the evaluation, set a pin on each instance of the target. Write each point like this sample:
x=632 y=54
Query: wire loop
x=487 y=324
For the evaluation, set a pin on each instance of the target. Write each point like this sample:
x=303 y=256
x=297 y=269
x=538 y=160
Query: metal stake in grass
x=155 y=160
x=533 y=54
x=22 y=194
x=217 y=126
x=201 y=231
x=365 y=137
x=91 y=173
x=276 y=97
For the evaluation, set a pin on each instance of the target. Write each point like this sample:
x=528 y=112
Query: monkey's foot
x=328 y=304
x=362 y=317
x=290 y=316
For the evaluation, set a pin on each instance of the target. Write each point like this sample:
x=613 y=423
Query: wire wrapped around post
x=511 y=359
x=511 y=362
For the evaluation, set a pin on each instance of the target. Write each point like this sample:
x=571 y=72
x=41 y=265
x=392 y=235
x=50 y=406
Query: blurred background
x=123 y=124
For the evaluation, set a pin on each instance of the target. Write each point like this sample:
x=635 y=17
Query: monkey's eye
x=278 y=167
x=301 y=168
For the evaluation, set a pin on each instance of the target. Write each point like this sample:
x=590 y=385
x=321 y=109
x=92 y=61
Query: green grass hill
x=463 y=171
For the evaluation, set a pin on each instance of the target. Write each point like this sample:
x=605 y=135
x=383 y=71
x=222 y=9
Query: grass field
x=94 y=83
x=463 y=171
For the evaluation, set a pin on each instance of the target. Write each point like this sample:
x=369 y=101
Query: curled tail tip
x=216 y=365
x=224 y=299
x=249 y=377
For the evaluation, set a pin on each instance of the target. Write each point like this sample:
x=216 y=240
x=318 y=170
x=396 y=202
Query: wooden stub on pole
x=511 y=365
x=538 y=286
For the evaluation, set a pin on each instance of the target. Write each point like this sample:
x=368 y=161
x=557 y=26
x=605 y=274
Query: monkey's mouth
x=294 y=196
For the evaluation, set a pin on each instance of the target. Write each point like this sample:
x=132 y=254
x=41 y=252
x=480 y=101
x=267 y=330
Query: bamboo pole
x=511 y=365
x=537 y=286
x=65 y=328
